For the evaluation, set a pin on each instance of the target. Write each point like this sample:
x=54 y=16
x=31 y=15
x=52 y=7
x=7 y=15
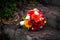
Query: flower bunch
x=34 y=20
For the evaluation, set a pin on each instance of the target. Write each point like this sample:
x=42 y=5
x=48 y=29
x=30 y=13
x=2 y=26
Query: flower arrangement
x=34 y=20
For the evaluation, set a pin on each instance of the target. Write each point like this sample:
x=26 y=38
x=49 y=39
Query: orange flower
x=36 y=18
x=27 y=24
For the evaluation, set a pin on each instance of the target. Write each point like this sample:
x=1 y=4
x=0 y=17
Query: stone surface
x=52 y=13
x=19 y=34
x=53 y=2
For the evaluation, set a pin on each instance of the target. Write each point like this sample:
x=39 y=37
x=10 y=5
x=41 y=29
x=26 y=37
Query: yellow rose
x=27 y=24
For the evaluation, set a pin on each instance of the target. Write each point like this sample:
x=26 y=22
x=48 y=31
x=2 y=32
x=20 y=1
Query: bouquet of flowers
x=34 y=20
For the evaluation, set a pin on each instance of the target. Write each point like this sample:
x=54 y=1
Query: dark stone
x=34 y=39
x=58 y=22
x=10 y=30
x=20 y=35
x=52 y=2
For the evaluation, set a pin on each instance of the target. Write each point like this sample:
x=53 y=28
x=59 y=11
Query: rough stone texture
x=10 y=30
x=56 y=2
x=52 y=14
x=53 y=2
x=19 y=34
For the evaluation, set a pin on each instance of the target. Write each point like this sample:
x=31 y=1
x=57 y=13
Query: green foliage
x=25 y=28
x=7 y=8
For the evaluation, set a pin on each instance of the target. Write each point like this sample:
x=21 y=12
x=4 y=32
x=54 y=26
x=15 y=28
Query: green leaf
x=25 y=28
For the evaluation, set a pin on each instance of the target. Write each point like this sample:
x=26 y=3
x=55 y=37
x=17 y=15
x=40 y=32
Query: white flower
x=41 y=26
x=21 y=23
x=32 y=28
x=35 y=9
x=36 y=13
x=27 y=17
x=41 y=19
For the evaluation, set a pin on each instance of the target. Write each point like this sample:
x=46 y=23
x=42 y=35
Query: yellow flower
x=44 y=22
x=27 y=24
